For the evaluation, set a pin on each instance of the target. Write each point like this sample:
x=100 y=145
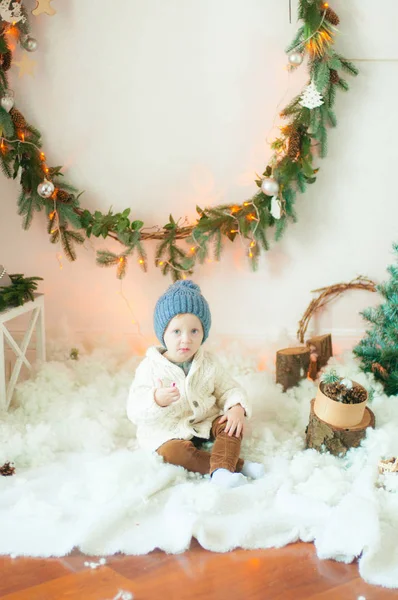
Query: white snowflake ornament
x=311 y=98
x=11 y=12
x=276 y=209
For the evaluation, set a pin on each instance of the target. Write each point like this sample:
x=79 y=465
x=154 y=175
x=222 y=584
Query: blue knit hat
x=180 y=298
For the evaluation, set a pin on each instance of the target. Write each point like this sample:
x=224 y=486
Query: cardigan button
x=195 y=403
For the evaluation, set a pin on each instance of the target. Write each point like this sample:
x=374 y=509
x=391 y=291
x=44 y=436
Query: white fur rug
x=81 y=481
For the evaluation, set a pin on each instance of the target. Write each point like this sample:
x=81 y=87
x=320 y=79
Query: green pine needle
x=330 y=377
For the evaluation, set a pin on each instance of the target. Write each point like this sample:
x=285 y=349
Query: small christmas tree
x=378 y=350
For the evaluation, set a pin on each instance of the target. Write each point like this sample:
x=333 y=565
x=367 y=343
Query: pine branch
x=322 y=76
x=5 y=166
x=27 y=205
x=295 y=44
x=67 y=215
x=107 y=259
x=68 y=239
x=21 y=291
x=347 y=66
x=280 y=228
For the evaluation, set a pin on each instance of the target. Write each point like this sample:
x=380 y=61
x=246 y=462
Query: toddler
x=181 y=396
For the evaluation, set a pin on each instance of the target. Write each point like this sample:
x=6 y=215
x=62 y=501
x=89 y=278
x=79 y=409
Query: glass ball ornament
x=7 y=100
x=270 y=186
x=30 y=43
x=295 y=59
x=45 y=189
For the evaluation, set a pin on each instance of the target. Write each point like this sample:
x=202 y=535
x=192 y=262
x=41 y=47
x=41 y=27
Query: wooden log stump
x=292 y=366
x=337 y=440
x=322 y=345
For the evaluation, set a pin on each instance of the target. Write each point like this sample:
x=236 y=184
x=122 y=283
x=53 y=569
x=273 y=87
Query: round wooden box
x=337 y=413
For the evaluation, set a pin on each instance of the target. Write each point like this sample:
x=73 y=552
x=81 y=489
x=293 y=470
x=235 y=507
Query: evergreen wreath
x=290 y=169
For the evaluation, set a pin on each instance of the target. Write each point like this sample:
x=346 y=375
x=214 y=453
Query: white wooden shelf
x=36 y=322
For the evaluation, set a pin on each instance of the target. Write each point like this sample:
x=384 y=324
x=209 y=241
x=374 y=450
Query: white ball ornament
x=45 y=189
x=270 y=186
x=295 y=59
x=30 y=44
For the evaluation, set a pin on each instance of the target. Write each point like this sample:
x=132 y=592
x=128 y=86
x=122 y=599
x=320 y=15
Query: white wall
x=164 y=104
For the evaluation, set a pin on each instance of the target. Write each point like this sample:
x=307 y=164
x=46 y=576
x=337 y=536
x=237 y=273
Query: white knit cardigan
x=205 y=393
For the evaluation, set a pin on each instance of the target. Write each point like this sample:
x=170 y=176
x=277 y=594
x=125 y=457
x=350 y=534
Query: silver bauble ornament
x=295 y=59
x=7 y=100
x=30 y=44
x=269 y=186
x=45 y=189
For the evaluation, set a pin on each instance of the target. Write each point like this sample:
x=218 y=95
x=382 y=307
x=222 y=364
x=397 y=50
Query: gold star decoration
x=43 y=6
x=26 y=66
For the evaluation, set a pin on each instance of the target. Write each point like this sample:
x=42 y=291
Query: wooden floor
x=290 y=573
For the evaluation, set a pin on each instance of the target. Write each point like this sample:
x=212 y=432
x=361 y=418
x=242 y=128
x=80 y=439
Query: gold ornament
x=43 y=6
x=26 y=66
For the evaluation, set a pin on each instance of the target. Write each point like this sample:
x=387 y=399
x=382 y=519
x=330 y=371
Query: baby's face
x=183 y=337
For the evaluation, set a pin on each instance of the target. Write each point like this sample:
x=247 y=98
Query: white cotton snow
x=81 y=481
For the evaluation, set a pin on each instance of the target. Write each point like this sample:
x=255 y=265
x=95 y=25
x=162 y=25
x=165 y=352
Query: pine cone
x=358 y=394
x=6 y=60
x=332 y=17
x=294 y=145
x=333 y=390
x=334 y=76
x=63 y=196
x=18 y=119
x=6 y=470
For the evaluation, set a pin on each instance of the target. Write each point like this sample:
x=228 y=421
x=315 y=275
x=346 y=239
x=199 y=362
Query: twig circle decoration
x=326 y=295
x=290 y=169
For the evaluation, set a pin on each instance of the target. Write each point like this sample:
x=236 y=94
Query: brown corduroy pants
x=224 y=454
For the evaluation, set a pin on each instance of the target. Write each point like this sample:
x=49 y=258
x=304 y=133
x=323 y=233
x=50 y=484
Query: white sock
x=253 y=469
x=226 y=479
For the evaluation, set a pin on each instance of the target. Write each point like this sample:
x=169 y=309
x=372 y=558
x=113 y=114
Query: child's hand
x=235 y=418
x=164 y=396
